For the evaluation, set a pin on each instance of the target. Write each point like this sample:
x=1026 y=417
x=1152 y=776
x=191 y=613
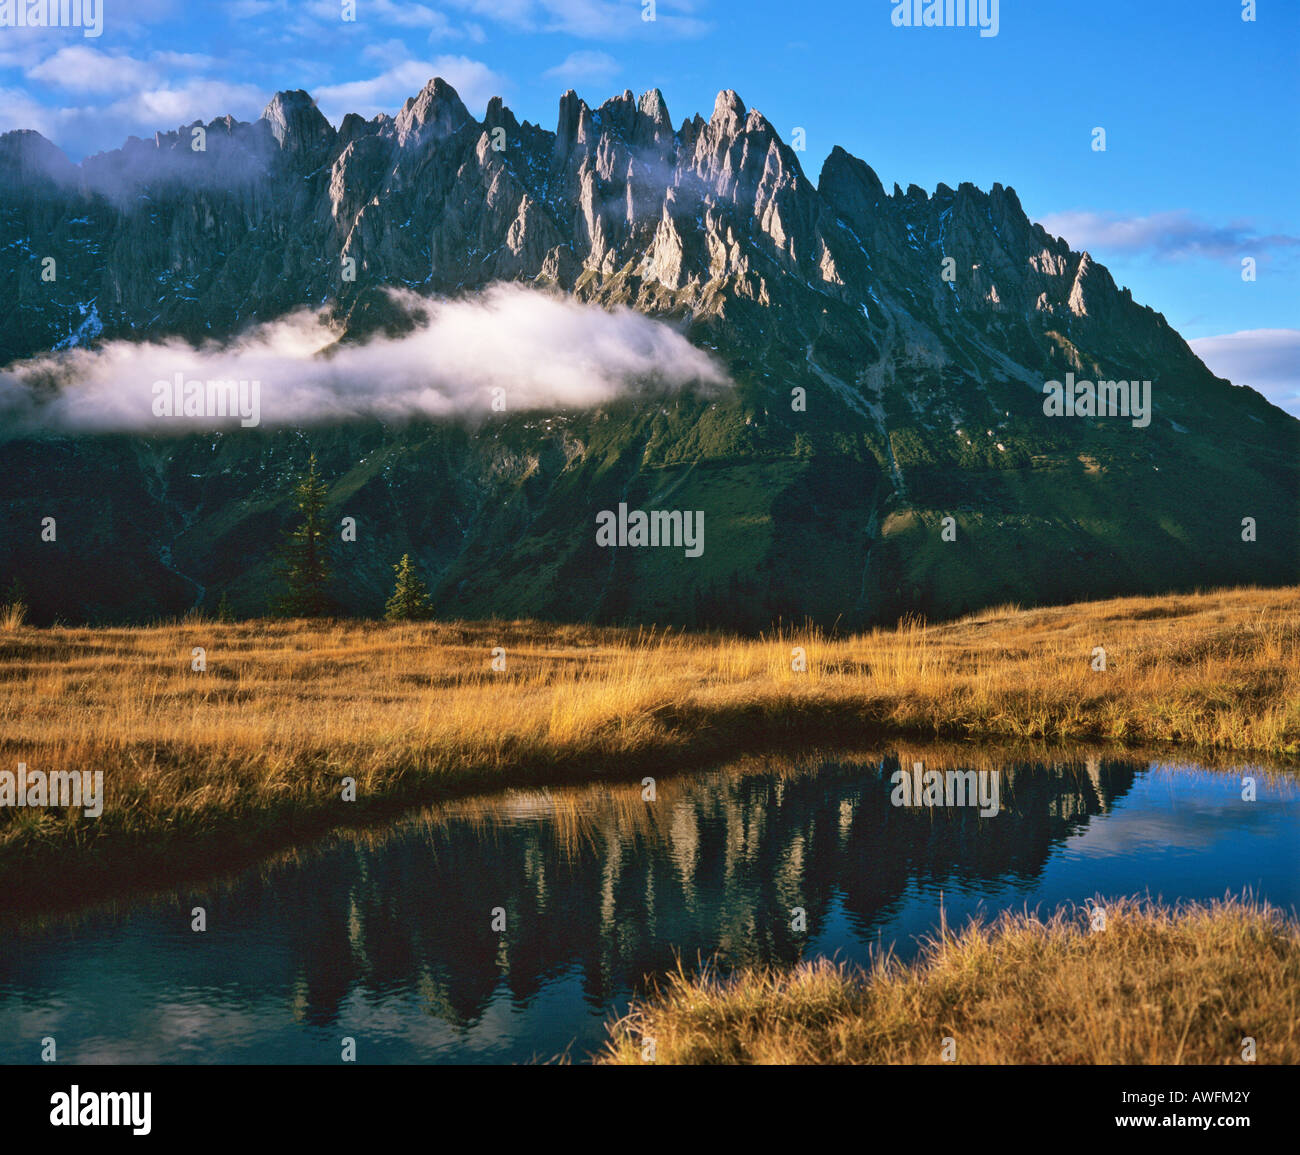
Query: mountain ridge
x=835 y=288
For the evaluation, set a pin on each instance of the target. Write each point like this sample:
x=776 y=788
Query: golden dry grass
x=1156 y=985
x=258 y=744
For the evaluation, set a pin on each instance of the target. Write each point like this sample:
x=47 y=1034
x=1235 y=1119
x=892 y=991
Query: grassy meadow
x=252 y=751
x=1157 y=985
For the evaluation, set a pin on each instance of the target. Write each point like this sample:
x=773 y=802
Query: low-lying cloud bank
x=516 y=347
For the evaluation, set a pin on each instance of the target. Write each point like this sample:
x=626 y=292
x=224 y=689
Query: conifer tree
x=17 y=595
x=304 y=564
x=410 y=600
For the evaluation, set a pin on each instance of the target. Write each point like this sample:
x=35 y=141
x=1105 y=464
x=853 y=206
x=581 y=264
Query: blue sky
x=1201 y=109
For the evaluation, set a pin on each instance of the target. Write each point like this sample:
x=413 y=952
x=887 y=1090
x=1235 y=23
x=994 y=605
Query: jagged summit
x=653 y=105
x=728 y=111
x=889 y=352
x=715 y=219
x=434 y=114
x=296 y=123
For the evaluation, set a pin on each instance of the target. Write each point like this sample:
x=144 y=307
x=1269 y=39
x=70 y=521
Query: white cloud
x=167 y=108
x=95 y=126
x=19 y=110
x=120 y=95
x=473 y=80
x=23 y=47
x=590 y=19
x=543 y=350
x=319 y=18
x=1265 y=359
x=584 y=67
x=81 y=68
x=1167 y=235
x=411 y=16
x=192 y=60
x=388 y=51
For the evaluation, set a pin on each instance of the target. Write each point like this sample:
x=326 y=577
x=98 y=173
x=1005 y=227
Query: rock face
x=297 y=124
x=921 y=328
x=614 y=206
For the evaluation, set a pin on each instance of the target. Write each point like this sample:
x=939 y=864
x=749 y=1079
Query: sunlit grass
x=1156 y=985
x=13 y=616
x=286 y=710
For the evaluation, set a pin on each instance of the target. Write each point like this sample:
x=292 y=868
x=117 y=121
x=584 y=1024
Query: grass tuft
x=1159 y=985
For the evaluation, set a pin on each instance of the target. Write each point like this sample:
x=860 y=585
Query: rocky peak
x=575 y=125
x=618 y=114
x=849 y=182
x=435 y=114
x=353 y=127
x=27 y=155
x=654 y=113
x=728 y=113
x=296 y=123
x=499 y=116
x=1093 y=292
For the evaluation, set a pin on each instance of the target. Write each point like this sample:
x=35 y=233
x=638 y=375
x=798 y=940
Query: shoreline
x=217 y=768
x=87 y=877
x=1155 y=984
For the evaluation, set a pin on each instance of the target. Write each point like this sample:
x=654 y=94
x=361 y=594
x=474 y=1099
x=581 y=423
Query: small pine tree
x=13 y=611
x=224 y=612
x=410 y=600
x=304 y=565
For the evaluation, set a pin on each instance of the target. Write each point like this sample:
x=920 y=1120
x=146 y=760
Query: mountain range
x=887 y=352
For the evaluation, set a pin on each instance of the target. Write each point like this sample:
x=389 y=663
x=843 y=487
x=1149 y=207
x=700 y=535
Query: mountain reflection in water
x=387 y=937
